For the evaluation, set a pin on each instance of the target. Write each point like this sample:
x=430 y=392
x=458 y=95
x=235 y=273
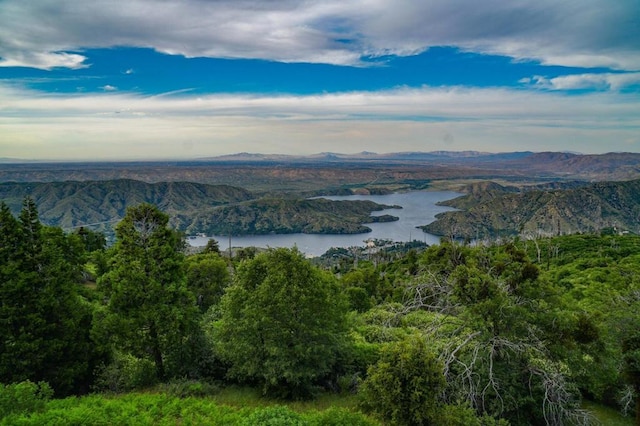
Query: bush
x=24 y=397
x=125 y=373
x=276 y=415
x=189 y=388
x=404 y=386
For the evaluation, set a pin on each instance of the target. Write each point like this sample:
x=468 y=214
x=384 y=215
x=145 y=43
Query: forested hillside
x=532 y=331
x=193 y=207
x=491 y=210
x=73 y=203
x=285 y=216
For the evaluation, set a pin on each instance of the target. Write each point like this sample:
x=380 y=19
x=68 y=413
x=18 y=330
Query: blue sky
x=150 y=79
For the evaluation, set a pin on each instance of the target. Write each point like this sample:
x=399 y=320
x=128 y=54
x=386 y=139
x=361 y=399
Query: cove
x=418 y=208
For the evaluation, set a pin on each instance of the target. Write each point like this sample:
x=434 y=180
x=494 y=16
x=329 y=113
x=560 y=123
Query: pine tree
x=44 y=332
x=150 y=310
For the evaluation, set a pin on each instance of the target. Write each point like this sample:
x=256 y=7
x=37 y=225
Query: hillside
x=499 y=211
x=285 y=216
x=192 y=207
x=70 y=204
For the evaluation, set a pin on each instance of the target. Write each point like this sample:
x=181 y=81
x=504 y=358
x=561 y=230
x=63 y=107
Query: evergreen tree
x=207 y=277
x=44 y=323
x=150 y=311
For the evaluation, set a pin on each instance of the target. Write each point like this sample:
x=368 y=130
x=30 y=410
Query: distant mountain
x=372 y=156
x=334 y=170
x=493 y=210
x=609 y=166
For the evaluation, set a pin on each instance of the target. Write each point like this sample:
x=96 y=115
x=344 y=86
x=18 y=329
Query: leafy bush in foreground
x=23 y=398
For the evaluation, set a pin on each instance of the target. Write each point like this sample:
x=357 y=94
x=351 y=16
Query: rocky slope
x=492 y=210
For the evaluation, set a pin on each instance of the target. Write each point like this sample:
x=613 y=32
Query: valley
x=252 y=194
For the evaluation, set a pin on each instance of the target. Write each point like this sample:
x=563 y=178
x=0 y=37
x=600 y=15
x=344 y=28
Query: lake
x=418 y=208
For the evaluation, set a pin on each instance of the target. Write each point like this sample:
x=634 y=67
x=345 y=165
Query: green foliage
x=152 y=408
x=183 y=388
x=91 y=240
x=207 y=277
x=276 y=415
x=340 y=417
x=131 y=409
x=23 y=398
x=45 y=324
x=282 y=323
x=150 y=311
x=125 y=373
x=212 y=246
x=365 y=286
x=405 y=385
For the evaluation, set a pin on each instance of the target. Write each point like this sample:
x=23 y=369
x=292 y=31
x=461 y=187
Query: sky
x=185 y=79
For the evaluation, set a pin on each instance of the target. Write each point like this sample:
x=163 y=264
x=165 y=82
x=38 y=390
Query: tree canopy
x=282 y=323
x=150 y=310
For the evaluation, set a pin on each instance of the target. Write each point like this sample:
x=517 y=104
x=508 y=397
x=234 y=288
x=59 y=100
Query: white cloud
x=606 y=81
x=52 y=33
x=109 y=88
x=42 y=60
x=124 y=125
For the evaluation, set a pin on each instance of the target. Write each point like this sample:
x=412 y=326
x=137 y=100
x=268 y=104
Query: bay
x=418 y=208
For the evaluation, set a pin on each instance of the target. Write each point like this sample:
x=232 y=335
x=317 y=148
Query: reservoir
x=418 y=208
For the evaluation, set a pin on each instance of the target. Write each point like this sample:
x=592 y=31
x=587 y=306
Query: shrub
x=276 y=415
x=24 y=397
x=405 y=385
x=125 y=373
x=183 y=388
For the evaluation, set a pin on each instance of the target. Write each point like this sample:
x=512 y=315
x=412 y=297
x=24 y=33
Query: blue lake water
x=418 y=208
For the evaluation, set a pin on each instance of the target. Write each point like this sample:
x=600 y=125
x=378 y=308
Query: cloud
x=109 y=88
x=602 y=81
x=52 y=33
x=42 y=60
x=126 y=125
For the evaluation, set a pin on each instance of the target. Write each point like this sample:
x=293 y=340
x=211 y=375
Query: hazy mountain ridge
x=609 y=166
x=372 y=156
x=282 y=172
x=501 y=211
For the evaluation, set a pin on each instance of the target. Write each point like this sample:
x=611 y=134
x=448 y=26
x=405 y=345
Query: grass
x=607 y=415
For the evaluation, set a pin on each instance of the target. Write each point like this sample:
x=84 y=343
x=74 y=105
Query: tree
x=490 y=333
x=404 y=386
x=150 y=310
x=282 y=323
x=44 y=323
x=207 y=277
x=212 y=247
x=91 y=240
